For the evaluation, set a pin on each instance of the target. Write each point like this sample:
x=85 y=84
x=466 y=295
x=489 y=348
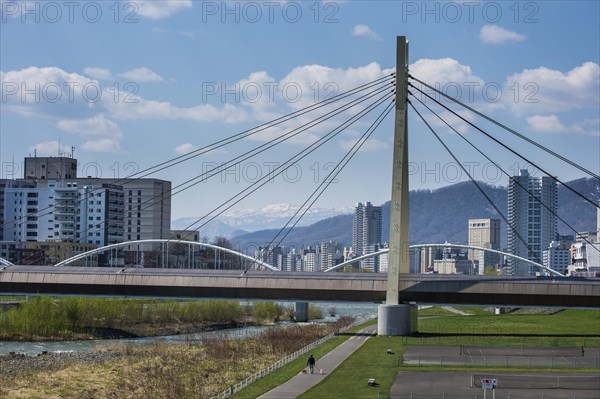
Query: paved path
x=454 y=310
x=302 y=382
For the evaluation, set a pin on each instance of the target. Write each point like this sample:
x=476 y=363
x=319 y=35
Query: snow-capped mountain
x=273 y=216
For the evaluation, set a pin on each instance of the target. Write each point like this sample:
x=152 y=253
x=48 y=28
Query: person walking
x=311 y=364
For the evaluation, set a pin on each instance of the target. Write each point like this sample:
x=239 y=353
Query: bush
x=314 y=312
x=267 y=311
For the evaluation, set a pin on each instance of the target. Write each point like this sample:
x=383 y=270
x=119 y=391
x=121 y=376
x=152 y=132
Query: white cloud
x=96 y=126
x=545 y=123
x=49 y=91
x=552 y=124
x=544 y=90
x=142 y=74
x=149 y=109
x=102 y=134
x=364 y=31
x=185 y=148
x=98 y=73
x=158 y=9
x=49 y=148
x=451 y=78
x=494 y=34
x=318 y=82
x=444 y=71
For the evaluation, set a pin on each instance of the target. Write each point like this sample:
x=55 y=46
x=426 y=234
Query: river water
x=358 y=310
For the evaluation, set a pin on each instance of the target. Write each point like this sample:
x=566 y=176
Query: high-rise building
x=147 y=205
x=558 y=255
x=10 y=183
x=310 y=260
x=366 y=232
x=484 y=233
x=331 y=254
x=64 y=212
x=51 y=168
x=532 y=226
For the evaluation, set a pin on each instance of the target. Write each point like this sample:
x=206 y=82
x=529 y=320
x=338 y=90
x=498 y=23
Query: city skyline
x=198 y=92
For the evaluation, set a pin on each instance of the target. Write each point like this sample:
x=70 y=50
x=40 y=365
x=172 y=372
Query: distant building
x=558 y=256
x=366 y=233
x=64 y=212
x=366 y=227
x=50 y=168
x=530 y=221
x=484 y=233
x=331 y=254
x=453 y=266
x=293 y=261
x=310 y=262
x=147 y=205
x=10 y=183
x=185 y=235
x=586 y=250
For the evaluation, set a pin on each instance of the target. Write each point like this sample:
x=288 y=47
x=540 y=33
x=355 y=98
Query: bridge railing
x=281 y=362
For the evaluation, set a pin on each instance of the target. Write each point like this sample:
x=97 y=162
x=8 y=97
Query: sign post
x=489 y=383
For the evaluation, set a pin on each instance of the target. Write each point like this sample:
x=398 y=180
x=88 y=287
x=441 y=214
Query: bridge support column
x=301 y=311
x=395 y=320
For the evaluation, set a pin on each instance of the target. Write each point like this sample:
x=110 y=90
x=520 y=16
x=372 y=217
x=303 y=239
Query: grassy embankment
x=566 y=328
x=81 y=318
x=291 y=369
x=174 y=371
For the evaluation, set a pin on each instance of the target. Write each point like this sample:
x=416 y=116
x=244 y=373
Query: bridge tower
x=395 y=318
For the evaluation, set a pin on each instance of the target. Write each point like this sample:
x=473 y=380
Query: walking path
x=453 y=310
x=302 y=382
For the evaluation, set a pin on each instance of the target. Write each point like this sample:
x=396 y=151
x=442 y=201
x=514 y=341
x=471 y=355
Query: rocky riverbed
x=13 y=363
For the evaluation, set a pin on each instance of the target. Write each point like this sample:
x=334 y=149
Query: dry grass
x=164 y=370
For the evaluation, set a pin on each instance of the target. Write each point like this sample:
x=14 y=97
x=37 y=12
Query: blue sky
x=539 y=59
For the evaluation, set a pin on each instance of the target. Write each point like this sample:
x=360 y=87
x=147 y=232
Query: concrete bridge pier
x=397 y=320
x=301 y=311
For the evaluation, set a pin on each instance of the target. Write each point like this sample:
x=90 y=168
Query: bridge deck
x=363 y=287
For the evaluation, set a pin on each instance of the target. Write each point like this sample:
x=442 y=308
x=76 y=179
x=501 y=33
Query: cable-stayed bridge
x=374 y=100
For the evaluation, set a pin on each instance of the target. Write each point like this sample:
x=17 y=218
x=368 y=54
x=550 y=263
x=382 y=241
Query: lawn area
x=566 y=328
x=371 y=360
x=291 y=369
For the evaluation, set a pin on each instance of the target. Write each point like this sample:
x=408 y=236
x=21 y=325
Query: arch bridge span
x=445 y=245
x=163 y=242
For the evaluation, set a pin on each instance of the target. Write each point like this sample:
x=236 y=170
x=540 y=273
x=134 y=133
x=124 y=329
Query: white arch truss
x=5 y=262
x=162 y=241
x=386 y=250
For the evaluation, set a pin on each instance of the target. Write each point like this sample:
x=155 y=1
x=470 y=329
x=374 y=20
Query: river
x=358 y=310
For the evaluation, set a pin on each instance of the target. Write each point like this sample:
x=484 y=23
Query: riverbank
x=79 y=318
x=180 y=370
x=13 y=364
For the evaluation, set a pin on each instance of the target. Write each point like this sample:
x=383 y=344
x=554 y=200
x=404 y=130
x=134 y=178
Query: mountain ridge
x=440 y=215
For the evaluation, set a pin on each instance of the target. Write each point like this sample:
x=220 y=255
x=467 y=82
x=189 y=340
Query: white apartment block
x=147 y=202
x=64 y=212
x=557 y=257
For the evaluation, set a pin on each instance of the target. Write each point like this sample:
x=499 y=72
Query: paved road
x=302 y=382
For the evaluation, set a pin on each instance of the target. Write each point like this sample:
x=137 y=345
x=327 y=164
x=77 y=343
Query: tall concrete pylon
x=395 y=318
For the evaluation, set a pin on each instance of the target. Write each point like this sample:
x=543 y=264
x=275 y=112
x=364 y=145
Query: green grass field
x=565 y=328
